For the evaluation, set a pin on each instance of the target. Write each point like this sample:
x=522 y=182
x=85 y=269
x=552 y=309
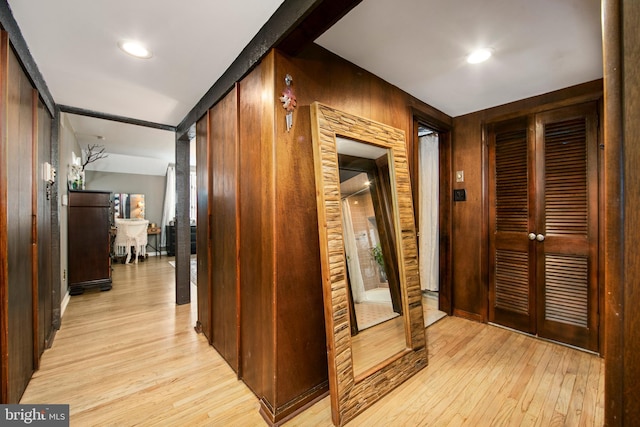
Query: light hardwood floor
x=130 y=356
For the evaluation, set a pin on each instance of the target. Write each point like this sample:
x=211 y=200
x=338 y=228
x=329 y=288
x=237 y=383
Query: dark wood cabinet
x=171 y=239
x=89 y=224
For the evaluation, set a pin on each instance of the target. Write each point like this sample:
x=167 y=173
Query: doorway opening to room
x=428 y=220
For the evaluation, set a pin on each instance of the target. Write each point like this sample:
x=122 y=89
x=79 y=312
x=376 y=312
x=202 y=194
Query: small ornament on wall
x=289 y=102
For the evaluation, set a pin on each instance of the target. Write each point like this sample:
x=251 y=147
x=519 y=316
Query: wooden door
x=511 y=270
x=543 y=198
x=567 y=218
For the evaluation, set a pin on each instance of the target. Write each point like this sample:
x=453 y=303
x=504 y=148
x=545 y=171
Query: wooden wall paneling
x=223 y=140
x=45 y=257
x=256 y=252
x=203 y=238
x=298 y=270
x=4 y=229
x=614 y=264
x=266 y=92
x=35 y=219
x=468 y=287
x=445 y=302
x=318 y=75
x=631 y=194
x=622 y=266
x=19 y=252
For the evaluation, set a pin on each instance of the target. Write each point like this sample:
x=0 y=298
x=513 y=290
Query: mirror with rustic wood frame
x=351 y=392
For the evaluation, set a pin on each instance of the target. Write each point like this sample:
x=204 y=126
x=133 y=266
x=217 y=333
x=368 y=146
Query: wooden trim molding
x=34 y=228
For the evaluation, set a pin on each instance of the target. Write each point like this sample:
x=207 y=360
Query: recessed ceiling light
x=135 y=49
x=478 y=56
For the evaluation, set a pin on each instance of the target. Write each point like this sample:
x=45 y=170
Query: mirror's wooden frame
x=351 y=395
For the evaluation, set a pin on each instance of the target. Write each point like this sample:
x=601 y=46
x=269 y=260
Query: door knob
x=540 y=237
x=532 y=236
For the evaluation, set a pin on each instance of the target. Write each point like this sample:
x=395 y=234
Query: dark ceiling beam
x=315 y=24
x=294 y=25
x=9 y=24
x=114 y=118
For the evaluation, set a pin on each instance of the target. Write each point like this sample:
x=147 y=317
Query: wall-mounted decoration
x=289 y=102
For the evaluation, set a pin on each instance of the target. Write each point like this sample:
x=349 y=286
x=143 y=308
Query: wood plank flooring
x=130 y=356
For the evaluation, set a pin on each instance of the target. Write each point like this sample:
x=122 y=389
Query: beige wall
x=152 y=186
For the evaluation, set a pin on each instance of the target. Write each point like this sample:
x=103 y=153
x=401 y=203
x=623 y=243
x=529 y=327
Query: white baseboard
x=154 y=253
x=65 y=302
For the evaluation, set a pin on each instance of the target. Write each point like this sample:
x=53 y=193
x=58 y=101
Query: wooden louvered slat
x=566 y=289
x=511 y=181
x=512 y=281
x=566 y=197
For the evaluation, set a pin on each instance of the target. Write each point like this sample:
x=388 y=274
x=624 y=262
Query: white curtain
x=428 y=221
x=351 y=251
x=193 y=197
x=169 y=208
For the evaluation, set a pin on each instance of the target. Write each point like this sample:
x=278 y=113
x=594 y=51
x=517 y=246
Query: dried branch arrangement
x=94 y=152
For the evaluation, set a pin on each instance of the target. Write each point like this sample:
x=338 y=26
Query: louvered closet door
x=512 y=268
x=566 y=143
x=543 y=216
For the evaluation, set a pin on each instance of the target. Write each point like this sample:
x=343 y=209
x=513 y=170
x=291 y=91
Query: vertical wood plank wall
x=256 y=230
x=26 y=314
x=224 y=276
x=469 y=240
x=631 y=154
x=281 y=347
x=20 y=292
x=621 y=19
x=203 y=238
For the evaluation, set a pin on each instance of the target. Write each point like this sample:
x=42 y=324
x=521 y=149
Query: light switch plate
x=459 y=176
x=460 y=195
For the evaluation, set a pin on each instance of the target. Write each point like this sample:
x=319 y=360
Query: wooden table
x=155 y=232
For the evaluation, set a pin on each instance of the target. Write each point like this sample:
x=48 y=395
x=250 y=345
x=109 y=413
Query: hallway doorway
x=428 y=222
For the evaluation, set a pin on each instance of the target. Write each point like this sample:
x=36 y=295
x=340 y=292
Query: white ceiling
x=417 y=45
x=421 y=47
x=74 y=43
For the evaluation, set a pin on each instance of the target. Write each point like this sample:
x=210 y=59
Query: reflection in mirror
x=375 y=304
x=137 y=206
x=121 y=207
x=385 y=229
x=128 y=206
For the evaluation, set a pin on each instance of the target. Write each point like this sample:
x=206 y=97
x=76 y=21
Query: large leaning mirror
x=371 y=285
